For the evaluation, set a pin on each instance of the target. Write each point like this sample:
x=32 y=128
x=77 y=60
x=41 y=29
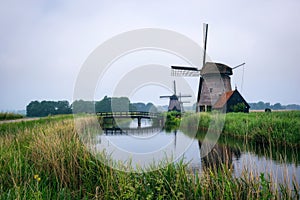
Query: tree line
x=45 y=108
x=117 y=104
x=107 y=104
x=277 y=106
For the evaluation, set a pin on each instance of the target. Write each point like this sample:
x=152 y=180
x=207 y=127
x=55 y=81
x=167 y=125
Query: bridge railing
x=128 y=114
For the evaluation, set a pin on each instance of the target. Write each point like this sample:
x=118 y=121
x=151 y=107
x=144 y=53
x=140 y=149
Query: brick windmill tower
x=214 y=79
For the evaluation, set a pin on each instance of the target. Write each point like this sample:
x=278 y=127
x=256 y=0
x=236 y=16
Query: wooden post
x=139 y=122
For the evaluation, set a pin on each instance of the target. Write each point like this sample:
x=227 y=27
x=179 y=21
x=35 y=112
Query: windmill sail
x=174 y=87
x=175 y=103
x=185 y=71
x=194 y=71
x=205 y=30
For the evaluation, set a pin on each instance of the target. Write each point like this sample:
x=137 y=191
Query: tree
x=139 y=106
x=104 y=105
x=120 y=104
x=80 y=106
x=113 y=104
x=45 y=108
x=63 y=107
x=239 y=107
x=260 y=105
x=32 y=109
x=277 y=106
x=151 y=108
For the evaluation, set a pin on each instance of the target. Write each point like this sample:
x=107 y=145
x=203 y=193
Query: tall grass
x=280 y=128
x=276 y=127
x=46 y=160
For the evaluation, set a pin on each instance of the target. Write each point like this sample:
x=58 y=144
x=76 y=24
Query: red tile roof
x=223 y=99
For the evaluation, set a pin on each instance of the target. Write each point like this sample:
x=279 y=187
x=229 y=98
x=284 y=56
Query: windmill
x=175 y=103
x=214 y=78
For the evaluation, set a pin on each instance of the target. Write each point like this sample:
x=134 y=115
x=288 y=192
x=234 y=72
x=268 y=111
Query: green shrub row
x=10 y=116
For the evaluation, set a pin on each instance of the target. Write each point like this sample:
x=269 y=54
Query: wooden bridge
x=132 y=115
x=131 y=131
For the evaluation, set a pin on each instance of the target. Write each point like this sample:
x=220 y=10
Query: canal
x=146 y=146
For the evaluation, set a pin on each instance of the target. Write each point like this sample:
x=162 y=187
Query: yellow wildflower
x=36 y=176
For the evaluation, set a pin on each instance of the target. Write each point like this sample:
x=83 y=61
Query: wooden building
x=214 y=81
x=231 y=101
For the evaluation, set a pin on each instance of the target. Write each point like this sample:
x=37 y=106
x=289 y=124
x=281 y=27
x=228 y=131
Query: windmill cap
x=174 y=97
x=216 y=68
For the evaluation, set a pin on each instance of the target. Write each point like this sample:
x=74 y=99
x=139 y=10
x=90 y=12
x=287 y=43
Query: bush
x=10 y=116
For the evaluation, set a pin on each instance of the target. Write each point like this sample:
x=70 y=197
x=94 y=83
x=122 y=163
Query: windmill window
x=210 y=89
x=208 y=108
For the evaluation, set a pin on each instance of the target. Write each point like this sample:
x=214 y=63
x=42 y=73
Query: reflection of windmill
x=214 y=79
x=218 y=157
x=175 y=103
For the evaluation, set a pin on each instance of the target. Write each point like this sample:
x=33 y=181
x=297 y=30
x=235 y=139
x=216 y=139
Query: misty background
x=45 y=43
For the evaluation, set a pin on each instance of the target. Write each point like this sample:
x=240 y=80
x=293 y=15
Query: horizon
x=156 y=105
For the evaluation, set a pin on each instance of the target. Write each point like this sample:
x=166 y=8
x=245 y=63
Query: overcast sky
x=43 y=44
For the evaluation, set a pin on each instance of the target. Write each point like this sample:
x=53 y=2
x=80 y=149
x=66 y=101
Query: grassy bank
x=10 y=116
x=279 y=128
x=44 y=159
x=19 y=127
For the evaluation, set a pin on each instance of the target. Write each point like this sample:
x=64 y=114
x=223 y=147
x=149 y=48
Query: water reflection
x=252 y=159
x=142 y=146
x=219 y=156
x=237 y=155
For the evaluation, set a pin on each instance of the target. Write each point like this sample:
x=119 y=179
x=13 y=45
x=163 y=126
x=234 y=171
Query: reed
x=279 y=128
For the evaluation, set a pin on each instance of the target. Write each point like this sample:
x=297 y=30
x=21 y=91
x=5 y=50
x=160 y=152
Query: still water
x=145 y=146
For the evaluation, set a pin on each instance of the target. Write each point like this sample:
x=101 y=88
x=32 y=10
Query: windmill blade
x=184 y=71
x=239 y=65
x=205 y=30
x=186 y=95
x=174 y=84
x=185 y=68
x=199 y=92
x=164 y=96
x=185 y=102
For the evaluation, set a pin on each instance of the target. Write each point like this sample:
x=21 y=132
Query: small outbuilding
x=231 y=101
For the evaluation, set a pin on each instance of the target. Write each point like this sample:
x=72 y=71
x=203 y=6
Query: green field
x=45 y=159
